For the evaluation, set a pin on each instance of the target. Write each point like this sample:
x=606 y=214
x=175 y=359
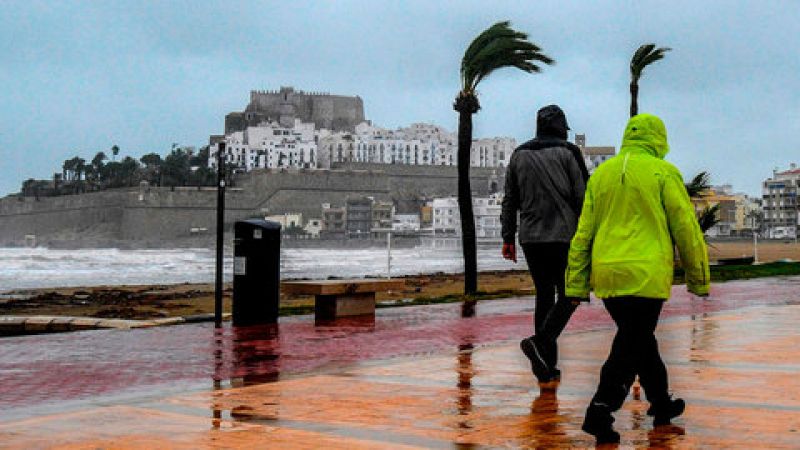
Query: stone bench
x=340 y=298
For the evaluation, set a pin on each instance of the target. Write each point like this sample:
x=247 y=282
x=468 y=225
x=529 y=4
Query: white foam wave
x=22 y=268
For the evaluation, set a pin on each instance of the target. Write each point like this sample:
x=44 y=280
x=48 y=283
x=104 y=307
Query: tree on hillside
x=129 y=170
x=201 y=158
x=643 y=57
x=175 y=169
x=152 y=165
x=111 y=174
x=497 y=47
x=97 y=167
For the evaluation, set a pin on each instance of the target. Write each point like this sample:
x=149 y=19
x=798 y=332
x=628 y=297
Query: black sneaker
x=598 y=422
x=533 y=351
x=663 y=414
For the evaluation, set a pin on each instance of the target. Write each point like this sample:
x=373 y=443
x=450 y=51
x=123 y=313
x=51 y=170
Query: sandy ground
x=157 y=301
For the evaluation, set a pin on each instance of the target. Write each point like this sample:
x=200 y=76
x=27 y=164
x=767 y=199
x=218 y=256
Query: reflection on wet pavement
x=741 y=389
x=418 y=378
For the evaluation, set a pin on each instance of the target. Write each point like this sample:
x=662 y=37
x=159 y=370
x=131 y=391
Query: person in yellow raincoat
x=635 y=211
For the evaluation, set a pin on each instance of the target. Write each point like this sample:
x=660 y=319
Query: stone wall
x=20 y=216
x=155 y=213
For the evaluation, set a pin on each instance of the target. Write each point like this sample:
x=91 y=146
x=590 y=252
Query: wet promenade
x=417 y=376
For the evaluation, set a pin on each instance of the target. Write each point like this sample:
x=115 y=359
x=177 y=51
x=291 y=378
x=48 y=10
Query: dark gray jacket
x=545 y=182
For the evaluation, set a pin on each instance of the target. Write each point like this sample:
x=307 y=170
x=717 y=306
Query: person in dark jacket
x=545 y=183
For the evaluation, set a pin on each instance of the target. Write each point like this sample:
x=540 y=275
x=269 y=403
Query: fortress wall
x=165 y=213
x=51 y=215
x=429 y=181
x=337 y=112
x=278 y=192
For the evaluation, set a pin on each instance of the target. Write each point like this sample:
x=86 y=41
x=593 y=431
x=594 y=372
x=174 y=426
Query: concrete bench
x=340 y=298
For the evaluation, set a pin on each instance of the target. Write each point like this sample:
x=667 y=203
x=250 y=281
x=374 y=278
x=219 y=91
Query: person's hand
x=510 y=252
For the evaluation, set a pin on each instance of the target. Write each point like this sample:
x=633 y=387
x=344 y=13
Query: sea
x=39 y=267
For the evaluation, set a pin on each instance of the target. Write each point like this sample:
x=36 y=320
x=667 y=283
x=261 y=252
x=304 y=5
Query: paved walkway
x=419 y=377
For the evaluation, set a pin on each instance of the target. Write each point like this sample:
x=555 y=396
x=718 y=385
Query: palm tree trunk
x=465 y=203
x=634 y=98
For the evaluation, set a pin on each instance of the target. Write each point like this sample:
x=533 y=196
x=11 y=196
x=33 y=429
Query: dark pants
x=633 y=352
x=547 y=263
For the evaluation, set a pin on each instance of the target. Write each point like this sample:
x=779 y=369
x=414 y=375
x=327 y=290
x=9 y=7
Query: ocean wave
x=25 y=268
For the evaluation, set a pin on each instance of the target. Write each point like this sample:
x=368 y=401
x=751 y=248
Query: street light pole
x=220 y=234
x=755 y=239
x=389 y=255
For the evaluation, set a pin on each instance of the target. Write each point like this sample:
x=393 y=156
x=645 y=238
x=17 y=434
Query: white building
x=313 y=227
x=487 y=216
x=419 y=144
x=447 y=219
x=780 y=205
x=593 y=156
x=491 y=152
x=406 y=223
x=270 y=145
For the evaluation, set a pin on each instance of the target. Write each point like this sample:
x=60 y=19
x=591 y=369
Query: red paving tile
x=52 y=369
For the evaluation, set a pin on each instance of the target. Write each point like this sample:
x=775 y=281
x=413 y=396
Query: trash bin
x=256 y=272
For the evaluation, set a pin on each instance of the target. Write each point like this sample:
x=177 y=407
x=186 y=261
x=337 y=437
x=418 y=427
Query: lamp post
x=220 y=234
x=755 y=237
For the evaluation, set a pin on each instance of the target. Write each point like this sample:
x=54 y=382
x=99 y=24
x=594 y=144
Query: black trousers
x=547 y=263
x=633 y=352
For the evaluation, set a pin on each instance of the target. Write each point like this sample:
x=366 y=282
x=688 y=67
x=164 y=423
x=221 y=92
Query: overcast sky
x=79 y=77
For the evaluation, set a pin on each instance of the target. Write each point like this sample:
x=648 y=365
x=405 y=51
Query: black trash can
x=256 y=272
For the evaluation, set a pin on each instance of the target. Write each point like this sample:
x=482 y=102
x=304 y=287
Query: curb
x=24 y=325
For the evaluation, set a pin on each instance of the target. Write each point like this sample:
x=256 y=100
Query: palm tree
x=97 y=166
x=115 y=151
x=497 y=47
x=697 y=188
x=644 y=56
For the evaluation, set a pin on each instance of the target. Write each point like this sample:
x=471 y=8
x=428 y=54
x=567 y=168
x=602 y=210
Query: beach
x=172 y=299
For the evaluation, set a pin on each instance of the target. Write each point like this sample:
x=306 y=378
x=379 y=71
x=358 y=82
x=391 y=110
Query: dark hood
x=551 y=123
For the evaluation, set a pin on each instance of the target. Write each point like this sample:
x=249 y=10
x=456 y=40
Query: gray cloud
x=79 y=77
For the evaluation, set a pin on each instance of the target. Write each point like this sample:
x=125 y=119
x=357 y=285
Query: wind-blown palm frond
x=644 y=56
x=699 y=184
x=709 y=217
x=497 y=47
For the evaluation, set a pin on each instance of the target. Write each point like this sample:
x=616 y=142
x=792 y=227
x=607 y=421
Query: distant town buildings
x=779 y=201
x=269 y=146
x=593 y=156
x=408 y=223
x=447 y=219
x=737 y=212
x=294 y=129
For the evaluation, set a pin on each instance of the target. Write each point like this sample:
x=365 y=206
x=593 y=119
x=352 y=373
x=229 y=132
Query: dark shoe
x=662 y=414
x=598 y=422
x=533 y=351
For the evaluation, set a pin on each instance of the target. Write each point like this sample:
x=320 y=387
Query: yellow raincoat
x=635 y=211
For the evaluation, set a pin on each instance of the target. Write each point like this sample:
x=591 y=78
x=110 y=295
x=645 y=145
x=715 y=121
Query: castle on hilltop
x=332 y=112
